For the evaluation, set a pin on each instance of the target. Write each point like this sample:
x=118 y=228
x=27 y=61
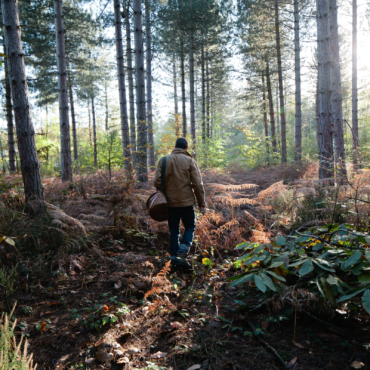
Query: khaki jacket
x=182 y=178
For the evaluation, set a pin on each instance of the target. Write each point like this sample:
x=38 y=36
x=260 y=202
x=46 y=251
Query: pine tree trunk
x=149 y=84
x=298 y=103
x=30 y=167
x=66 y=160
x=183 y=95
x=140 y=94
x=336 y=92
x=88 y=108
x=325 y=134
x=192 y=102
x=278 y=136
x=121 y=84
x=94 y=133
x=265 y=118
x=208 y=100
x=281 y=86
x=9 y=116
x=177 y=128
x=74 y=128
x=130 y=81
x=271 y=106
x=354 y=89
x=203 y=97
x=106 y=107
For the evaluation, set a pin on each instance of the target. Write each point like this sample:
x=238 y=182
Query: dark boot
x=182 y=264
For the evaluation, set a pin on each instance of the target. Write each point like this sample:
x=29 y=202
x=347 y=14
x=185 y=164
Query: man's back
x=182 y=175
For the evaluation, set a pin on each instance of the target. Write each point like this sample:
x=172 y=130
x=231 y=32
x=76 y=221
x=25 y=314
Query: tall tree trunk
x=281 y=86
x=88 y=108
x=317 y=111
x=298 y=104
x=208 y=99
x=336 y=92
x=203 y=97
x=94 y=133
x=106 y=107
x=192 y=103
x=130 y=78
x=183 y=95
x=354 y=88
x=74 y=128
x=265 y=118
x=140 y=94
x=149 y=107
x=9 y=116
x=271 y=106
x=325 y=134
x=177 y=128
x=66 y=160
x=121 y=84
x=278 y=136
x=30 y=167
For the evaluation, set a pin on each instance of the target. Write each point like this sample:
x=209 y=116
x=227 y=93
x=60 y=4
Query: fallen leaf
x=43 y=326
x=118 y=352
x=103 y=356
x=118 y=284
x=90 y=360
x=357 y=365
x=174 y=339
x=298 y=344
x=176 y=324
x=123 y=360
x=264 y=325
x=55 y=321
x=195 y=367
x=132 y=351
x=292 y=362
x=159 y=354
x=104 y=345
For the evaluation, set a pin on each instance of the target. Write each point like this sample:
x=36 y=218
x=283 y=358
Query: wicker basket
x=157 y=206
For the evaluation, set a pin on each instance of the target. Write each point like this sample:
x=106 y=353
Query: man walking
x=183 y=181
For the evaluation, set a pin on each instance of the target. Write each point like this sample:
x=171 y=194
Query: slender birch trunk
x=66 y=160
x=74 y=128
x=121 y=84
x=9 y=116
x=183 y=95
x=271 y=106
x=325 y=134
x=30 y=167
x=203 y=97
x=281 y=86
x=192 y=103
x=177 y=128
x=265 y=118
x=140 y=94
x=149 y=84
x=130 y=81
x=298 y=103
x=336 y=112
x=356 y=164
x=208 y=100
x=94 y=133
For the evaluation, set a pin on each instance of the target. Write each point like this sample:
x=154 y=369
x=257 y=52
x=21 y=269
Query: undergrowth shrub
x=13 y=356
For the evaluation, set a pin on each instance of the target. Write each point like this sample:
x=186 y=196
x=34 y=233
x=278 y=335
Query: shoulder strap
x=163 y=173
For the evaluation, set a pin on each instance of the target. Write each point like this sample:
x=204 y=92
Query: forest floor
x=82 y=302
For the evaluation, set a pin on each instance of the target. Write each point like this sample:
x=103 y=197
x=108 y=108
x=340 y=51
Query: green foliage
x=331 y=262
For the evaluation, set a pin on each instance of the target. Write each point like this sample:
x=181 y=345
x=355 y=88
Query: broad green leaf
x=259 y=283
x=364 y=278
x=332 y=280
x=342 y=230
x=367 y=239
x=306 y=268
x=280 y=241
x=245 y=245
x=276 y=264
x=367 y=254
x=260 y=248
x=357 y=269
x=276 y=276
x=353 y=259
x=297 y=263
x=349 y=296
x=324 y=262
x=105 y=320
x=242 y=280
x=366 y=300
x=304 y=239
x=267 y=281
x=255 y=258
x=10 y=241
x=328 y=291
x=244 y=257
x=319 y=287
x=248 y=333
x=318 y=246
x=323 y=267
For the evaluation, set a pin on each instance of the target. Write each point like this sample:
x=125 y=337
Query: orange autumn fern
x=160 y=283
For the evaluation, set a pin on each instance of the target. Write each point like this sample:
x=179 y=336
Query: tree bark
x=271 y=107
x=336 y=92
x=121 y=84
x=94 y=133
x=208 y=100
x=192 y=102
x=177 y=128
x=149 y=107
x=88 y=108
x=265 y=119
x=281 y=86
x=354 y=88
x=140 y=94
x=130 y=81
x=74 y=128
x=9 y=116
x=106 y=107
x=325 y=134
x=66 y=160
x=18 y=83
x=203 y=97
x=298 y=103
x=183 y=95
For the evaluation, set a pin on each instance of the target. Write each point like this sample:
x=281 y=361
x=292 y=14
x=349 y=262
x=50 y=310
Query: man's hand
x=202 y=210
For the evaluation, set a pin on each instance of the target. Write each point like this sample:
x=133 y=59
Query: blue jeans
x=175 y=215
